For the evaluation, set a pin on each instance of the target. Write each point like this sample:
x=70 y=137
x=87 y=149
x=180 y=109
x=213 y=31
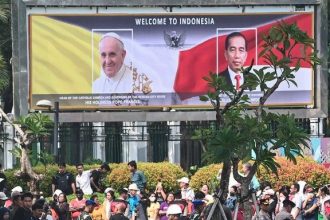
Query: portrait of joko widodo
x=235 y=55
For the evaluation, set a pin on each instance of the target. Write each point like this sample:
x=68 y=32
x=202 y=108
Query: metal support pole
x=56 y=118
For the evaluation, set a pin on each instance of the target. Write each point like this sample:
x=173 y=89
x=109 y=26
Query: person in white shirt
x=296 y=198
x=187 y=193
x=83 y=179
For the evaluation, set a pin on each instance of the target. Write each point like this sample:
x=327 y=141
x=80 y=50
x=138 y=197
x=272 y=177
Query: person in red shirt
x=77 y=205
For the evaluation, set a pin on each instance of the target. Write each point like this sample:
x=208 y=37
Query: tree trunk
x=224 y=181
x=26 y=171
x=247 y=206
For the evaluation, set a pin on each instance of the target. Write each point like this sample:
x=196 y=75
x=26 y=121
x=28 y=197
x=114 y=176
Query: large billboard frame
x=21 y=9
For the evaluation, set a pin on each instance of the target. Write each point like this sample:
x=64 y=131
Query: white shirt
x=122 y=82
x=297 y=200
x=187 y=194
x=232 y=77
x=84 y=183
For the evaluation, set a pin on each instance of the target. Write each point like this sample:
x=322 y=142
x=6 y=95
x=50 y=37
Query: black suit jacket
x=226 y=74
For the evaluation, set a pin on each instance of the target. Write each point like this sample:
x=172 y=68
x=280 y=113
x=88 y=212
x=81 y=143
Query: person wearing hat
x=270 y=195
x=115 y=76
x=89 y=207
x=25 y=211
x=77 y=205
x=187 y=194
x=174 y=212
x=133 y=199
x=263 y=213
x=199 y=205
x=285 y=213
x=3 y=199
x=109 y=198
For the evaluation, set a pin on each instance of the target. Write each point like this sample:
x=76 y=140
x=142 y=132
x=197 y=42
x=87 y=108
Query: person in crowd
x=285 y=212
x=97 y=176
x=98 y=211
x=254 y=182
x=324 y=196
x=16 y=203
x=122 y=198
x=269 y=194
x=3 y=180
x=25 y=211
x=63 y=181
x=4 y=213
x=119 y=213
x=153 y=208
x=107 y=203
x=164 y=206
x=15 y=190
x=208 y=198
x=141 y=209
x=89 y=207
x=174 y=212
x=37 y=210
x=263 y=214
x=282 y=195
x=62 y=207
x=232 y=198
x=296 y=198
x=161 y=195
x=137 y=176
x=133 y=199
x=199 y=205
x=187 y=193
x=77 y=205
x=83 y=179
x=310 y=205
x=3 y=199
x=182 y=203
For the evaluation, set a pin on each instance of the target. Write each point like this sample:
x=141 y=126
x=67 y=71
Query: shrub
x=45 y=184
x=306 y=169
x=206 y=175
x=168 y=173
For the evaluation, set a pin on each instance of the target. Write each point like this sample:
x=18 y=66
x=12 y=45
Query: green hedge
x=118 y=178
x=167 y=172
x=206 y=175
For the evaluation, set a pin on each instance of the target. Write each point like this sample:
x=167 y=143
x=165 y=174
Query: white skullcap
x=113 y=35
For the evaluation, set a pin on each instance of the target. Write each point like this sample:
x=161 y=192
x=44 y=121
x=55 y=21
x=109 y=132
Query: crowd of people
x=299 y=201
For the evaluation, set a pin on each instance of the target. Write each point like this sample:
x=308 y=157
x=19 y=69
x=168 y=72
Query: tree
x=28 y=128
x=238 y=133
x=5 y=55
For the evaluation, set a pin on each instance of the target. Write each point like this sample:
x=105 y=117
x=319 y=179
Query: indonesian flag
x=197 y=62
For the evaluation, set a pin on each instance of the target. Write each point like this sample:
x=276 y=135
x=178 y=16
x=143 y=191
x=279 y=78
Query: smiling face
x=236 y=53
x=112 y=55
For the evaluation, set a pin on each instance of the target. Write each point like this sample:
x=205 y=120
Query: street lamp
x=48 y=104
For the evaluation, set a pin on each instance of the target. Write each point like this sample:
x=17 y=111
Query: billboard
x=149 y=60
